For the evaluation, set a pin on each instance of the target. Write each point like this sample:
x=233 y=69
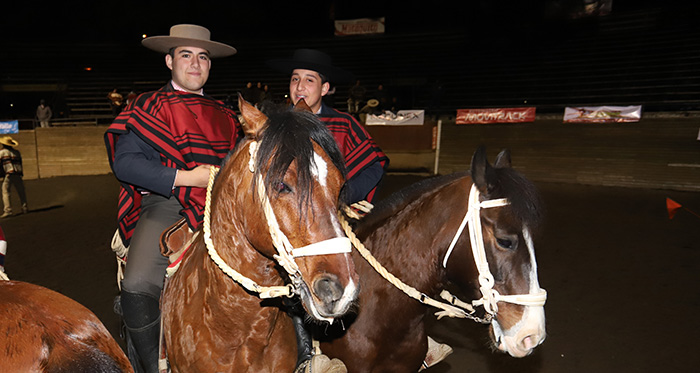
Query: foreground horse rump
x=213 y=323
x=410 y=233
x=44 y=331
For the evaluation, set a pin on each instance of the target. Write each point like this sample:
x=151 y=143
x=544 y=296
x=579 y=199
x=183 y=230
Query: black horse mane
x=289 y=136
x=525 y=201
x=398 y=200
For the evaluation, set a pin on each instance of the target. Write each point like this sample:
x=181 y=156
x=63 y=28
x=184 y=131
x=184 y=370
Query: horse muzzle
x=327 y=299
x=521 y=339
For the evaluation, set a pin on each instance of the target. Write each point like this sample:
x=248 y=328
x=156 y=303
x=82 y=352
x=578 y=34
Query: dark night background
x=506 y=50
x=91 y=21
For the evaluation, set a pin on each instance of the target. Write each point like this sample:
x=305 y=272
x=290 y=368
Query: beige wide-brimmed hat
x=188 y=36
x=9 y=141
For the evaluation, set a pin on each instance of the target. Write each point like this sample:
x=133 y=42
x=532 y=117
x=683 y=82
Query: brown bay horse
x=411 y=232
x=273 y=221
x=44 y=331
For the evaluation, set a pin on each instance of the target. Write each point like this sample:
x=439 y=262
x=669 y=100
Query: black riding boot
x=304 y=341
x=141 y=315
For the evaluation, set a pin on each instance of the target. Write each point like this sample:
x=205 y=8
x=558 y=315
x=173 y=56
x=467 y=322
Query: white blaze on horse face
x=319 y=168
x=529 y=332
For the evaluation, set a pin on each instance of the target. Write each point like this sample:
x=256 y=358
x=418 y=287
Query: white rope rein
x=459 y=309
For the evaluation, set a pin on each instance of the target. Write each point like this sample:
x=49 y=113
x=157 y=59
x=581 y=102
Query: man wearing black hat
x=312 y=73
x=161 y=148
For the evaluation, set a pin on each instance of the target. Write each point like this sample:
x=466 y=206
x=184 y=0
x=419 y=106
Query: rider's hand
x=196 y=177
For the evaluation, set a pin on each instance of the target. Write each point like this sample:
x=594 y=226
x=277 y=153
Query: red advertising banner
x=499 y=115
x=360 y=26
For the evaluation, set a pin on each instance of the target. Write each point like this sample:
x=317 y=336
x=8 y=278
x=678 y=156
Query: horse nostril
x=328 y=288
x=530 y=342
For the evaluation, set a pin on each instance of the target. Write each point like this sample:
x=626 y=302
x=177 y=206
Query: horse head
x=289 y=191
x=505 y=208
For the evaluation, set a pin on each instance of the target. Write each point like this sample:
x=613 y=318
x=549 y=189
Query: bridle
x=490 y=296
x=285 y=251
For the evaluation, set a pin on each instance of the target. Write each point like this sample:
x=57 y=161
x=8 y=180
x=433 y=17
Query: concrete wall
x=659 y=153
x=63 y=151
x=655 y=153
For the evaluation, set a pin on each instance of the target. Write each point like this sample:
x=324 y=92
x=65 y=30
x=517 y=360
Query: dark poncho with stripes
x=356 y=145
x=187 y=130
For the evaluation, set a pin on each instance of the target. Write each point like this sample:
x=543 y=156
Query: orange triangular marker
x=672 y=206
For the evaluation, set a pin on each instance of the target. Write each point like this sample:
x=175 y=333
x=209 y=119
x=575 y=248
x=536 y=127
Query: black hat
x=311 y=59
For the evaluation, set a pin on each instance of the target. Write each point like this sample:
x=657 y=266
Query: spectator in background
x=383 y=98
x=266 y=94
x=356 y=97
x=394 y=104
x=43 y=114
x=115 y=101
x=257 y=95
x=247 y=92
x=11 y=161
x=131 y=97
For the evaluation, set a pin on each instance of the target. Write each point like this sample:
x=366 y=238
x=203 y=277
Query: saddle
x=174 y=242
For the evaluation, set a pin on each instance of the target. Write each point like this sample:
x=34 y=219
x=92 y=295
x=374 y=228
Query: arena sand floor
x=622 y=278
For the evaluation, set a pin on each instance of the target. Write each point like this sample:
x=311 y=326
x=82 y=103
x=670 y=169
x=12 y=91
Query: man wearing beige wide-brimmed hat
x=11 y=161
x=160 y=148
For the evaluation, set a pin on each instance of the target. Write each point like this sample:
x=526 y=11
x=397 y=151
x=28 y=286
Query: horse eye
x=283 y=188
x=505 y=243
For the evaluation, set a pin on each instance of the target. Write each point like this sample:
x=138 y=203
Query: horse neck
x=412 y=243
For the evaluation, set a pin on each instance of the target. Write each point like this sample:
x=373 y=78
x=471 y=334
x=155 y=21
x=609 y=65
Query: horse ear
x=253 y=120
x=479 y=166
x=483 y=174
x=302 y=106
x=503 y=159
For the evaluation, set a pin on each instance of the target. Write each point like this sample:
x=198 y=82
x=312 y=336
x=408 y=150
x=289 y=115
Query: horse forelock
x=289 y=136
x=525 y=201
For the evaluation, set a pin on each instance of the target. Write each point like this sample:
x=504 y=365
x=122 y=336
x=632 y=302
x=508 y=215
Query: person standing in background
x=11 y=161
x=43 y=114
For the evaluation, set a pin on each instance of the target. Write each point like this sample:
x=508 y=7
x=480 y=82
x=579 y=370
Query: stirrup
x=321 y=364
x=437 y=352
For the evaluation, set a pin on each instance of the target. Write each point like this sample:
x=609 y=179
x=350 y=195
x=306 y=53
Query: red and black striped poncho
x=356 y=145
x=187 y=130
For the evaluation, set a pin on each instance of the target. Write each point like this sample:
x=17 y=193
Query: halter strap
x=490 y=296
x=473 y=214
x=337 y=245
x=285 y=251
